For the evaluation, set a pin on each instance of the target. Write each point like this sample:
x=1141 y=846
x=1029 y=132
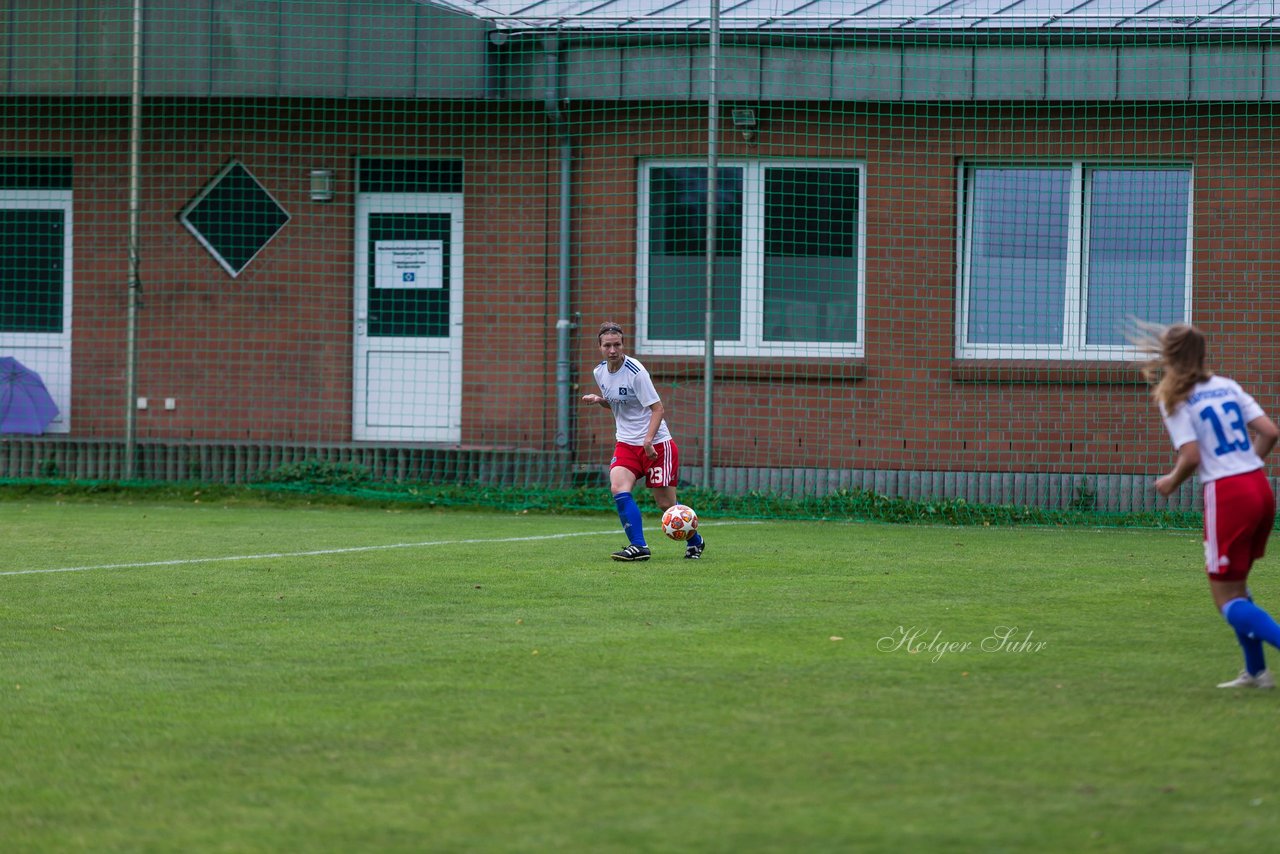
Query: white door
x=35 y=289
x=408 y=317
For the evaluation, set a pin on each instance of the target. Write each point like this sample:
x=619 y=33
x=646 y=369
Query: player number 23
x=1239 y=439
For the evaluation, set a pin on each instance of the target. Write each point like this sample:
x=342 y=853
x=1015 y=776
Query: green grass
x=535 y=696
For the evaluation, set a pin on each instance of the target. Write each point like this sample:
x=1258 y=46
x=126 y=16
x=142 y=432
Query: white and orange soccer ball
x=679 y=522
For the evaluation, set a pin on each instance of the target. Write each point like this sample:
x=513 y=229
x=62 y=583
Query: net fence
x=367 y=244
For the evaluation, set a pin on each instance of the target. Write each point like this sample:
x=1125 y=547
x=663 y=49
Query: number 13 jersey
x=1216 y=414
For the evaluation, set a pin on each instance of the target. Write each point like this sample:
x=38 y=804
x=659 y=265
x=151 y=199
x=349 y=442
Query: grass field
x=236 y=677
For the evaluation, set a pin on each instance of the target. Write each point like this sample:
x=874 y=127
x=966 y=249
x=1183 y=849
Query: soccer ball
x=679 y=522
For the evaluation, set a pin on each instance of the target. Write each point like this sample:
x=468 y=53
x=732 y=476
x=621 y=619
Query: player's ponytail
x=1181 y=354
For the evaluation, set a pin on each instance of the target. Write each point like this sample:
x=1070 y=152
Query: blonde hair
x=1180 y=360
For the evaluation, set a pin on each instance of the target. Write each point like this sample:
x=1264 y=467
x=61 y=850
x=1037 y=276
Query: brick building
x=930 y=226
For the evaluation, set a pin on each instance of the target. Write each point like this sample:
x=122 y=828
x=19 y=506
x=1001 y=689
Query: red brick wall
x=911 y=404
x=267 y=356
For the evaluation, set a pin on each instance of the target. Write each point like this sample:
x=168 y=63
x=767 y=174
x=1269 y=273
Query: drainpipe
x=713 y=201
x=135 y=208
x=564 y=322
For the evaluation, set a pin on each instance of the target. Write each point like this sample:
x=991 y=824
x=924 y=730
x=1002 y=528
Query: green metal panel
x=6 y=41
x=737 y=72
x=313 y=48
x=657 y=72
x=402 y=48
x=321 y=48
x=245 y=48
x=1271 y=76
x=105 y=50
x=592 y=73
x=1009 y=74
x=1080 y=74
x=937 y=74
x=1154 y=73
x=795 y=74
x=866 y=74
x=176 y=49
x=524 y=76
x=43 y=44
x=382 y=50
x=451 y=57
x=1221 y=73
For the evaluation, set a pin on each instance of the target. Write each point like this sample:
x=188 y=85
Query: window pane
x=1137 y=249
x=677 y=253
x=409 y=312
x=397 y=175
x=1017 y=255
x=35 y=173
x=32 y=244
x=811 y=255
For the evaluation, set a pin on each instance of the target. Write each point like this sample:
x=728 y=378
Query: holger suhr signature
x=916 y=640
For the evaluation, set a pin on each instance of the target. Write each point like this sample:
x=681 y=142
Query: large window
x=1056 y=260
x=788 y=264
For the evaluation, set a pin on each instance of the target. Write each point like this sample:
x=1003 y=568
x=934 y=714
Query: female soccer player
x=644 y=444
x=1222 y=434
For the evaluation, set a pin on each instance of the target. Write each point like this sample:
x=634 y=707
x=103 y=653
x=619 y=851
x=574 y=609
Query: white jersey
x=1216 y=414
x=630 y=393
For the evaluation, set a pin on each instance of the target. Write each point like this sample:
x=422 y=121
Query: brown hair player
x=644 y=445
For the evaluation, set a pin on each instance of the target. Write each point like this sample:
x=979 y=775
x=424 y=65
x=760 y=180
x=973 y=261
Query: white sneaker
x=1245 y=680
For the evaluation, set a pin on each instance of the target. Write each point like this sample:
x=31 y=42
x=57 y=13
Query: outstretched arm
x=597 y=399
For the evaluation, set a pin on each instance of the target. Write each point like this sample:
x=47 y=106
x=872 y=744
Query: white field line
x=319 y=552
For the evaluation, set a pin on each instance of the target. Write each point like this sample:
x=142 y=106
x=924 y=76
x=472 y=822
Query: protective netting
x=380 y=236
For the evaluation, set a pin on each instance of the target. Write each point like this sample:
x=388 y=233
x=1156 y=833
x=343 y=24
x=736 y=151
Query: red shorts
x=1238 y=514
x=664 y=471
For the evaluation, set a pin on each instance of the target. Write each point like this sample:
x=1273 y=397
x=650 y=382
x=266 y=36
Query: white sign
x=408 y=264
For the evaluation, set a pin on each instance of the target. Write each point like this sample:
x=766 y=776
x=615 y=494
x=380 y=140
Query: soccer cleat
x=1245 y=680
x=692 y=552
x=632 y=552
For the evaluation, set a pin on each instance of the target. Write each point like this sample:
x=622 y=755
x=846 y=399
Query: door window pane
x=421 y=310
x=32 y=247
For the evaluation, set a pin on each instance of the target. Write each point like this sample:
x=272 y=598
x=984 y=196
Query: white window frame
x=1076 y=284
x=751 y=289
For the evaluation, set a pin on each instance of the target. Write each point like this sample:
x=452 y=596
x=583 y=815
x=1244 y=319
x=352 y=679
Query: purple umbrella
x=25 y=404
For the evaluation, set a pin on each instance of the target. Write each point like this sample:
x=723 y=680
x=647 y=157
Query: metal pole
x=135 y=183
x=564 y=321
x=709 y=344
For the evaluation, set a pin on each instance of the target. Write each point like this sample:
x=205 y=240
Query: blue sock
x=629 y=513
x=695 y=540
x=1254 y=660
x=1251 y=621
